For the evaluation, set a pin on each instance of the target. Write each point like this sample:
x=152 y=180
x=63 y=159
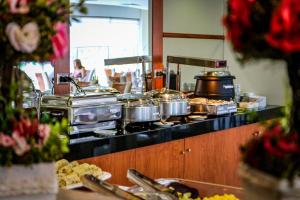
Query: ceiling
x=140 y=4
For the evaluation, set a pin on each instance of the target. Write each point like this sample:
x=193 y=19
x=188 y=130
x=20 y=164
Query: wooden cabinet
x=212 y=157
x=215 y=157
x=116 y=163
x=161 y=161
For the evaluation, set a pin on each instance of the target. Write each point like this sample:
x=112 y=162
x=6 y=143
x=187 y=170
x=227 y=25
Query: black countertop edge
x=106 y=145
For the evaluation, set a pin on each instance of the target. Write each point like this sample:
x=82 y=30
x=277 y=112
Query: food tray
x=210 y=189
x=104 y=176
x=205 y=189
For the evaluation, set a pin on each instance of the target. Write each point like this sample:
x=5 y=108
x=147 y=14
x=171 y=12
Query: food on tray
x=206 y=101
x=199 y=100
x=222 y=197
x=184 y=190
x=69 y=173
x=186 y=196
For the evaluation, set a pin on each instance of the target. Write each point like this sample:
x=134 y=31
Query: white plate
x=166 y=124
x=197 y=117
x=104 y=176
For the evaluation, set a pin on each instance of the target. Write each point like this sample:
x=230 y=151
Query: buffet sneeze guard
x=200 y=62
x=133 y=60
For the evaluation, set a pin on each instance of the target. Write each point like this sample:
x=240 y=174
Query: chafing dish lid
x=166 y=94
x=132 y=96
x=140 y=103
x=77 y=101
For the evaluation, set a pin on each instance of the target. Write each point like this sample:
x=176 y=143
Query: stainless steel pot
x=174 y=108
x=140 y=109
x=171 y=103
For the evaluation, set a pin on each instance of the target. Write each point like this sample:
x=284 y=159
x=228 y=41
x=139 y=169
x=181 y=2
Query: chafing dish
x=139 y=108
x=171 y=103
x=212 y=107
x=84 y=113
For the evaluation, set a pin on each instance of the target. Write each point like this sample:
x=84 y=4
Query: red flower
x=285 y=27
x=26 y=127
x=238 y=20
x=277 y=143
x=270 y=137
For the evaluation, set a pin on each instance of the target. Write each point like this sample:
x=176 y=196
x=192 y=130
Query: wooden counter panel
x=212 y=157
x=116 y=163
x=162 y=160
x=215 y=157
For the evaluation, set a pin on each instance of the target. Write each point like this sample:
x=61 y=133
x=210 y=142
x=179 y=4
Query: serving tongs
x=151 y=186
x=97 y=185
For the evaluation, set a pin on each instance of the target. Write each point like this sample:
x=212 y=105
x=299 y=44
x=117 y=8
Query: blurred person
x=79 y=70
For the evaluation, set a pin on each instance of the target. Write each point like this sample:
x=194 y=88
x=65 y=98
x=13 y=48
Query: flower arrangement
x=271 y=29
x=34 y=30
x=31 y=141
x=30 y=30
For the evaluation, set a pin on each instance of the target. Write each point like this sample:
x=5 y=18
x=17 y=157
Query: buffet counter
x=94 y=145
x=206 y=151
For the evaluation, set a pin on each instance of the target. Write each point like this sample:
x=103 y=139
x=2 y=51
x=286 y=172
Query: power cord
x=78 y=88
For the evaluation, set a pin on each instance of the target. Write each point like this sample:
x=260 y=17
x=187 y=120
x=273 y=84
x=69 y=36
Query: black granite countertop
x=95 y=146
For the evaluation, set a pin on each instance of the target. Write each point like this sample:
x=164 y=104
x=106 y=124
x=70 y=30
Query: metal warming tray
x=212 y=107
x=84 y=113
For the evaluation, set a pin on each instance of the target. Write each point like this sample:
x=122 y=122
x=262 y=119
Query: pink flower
x=44 y=132
x=21 y=145
x=60 y=41
x=18 y=6
x=49 y=2
x=6 y=141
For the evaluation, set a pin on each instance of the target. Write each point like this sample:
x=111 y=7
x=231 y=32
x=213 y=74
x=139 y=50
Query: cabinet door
x=214 y=157
x=116 y=163
x=162 y=160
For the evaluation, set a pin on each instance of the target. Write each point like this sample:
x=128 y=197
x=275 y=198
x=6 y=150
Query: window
x=95 y=39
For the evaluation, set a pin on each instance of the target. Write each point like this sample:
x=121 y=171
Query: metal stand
x=132 y=60
x=201 y=62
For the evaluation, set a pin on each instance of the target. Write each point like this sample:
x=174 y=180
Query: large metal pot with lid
x=215 y=85
x=171 y=103
x=139 y=108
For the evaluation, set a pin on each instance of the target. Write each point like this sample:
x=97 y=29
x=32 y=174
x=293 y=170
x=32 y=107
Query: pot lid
x=166 y=94
x=140 y=103
x=131 y=96
x=215 y=73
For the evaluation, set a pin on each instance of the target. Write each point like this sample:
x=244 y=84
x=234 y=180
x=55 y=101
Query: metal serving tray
x=84 y=113
x=214 y=109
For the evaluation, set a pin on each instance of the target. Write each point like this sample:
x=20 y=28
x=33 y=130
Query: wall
x=268 y=78
x=192 y=16
x=204 y=17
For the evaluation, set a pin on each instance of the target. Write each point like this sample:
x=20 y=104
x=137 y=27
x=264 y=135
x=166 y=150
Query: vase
x=261 y=186
x=37 y=181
